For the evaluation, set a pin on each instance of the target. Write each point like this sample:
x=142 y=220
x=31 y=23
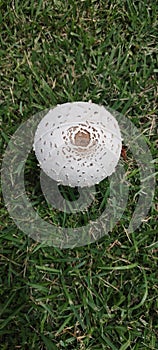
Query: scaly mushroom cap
x=78 y=143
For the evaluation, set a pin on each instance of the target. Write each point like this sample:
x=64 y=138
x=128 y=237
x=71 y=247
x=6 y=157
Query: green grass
x=101 y=296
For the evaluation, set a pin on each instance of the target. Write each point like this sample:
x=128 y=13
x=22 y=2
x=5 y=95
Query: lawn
x=103 y=295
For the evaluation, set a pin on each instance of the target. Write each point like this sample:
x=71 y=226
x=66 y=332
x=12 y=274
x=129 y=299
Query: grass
x=101 y=296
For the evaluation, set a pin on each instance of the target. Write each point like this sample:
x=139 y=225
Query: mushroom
x=78 y=143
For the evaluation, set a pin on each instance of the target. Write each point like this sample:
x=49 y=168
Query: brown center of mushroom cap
x=82 y=138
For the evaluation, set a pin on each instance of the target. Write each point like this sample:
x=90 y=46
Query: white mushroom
x=78 y=143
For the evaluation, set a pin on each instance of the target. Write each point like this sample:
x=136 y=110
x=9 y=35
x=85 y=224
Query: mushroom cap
x=78 y=143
